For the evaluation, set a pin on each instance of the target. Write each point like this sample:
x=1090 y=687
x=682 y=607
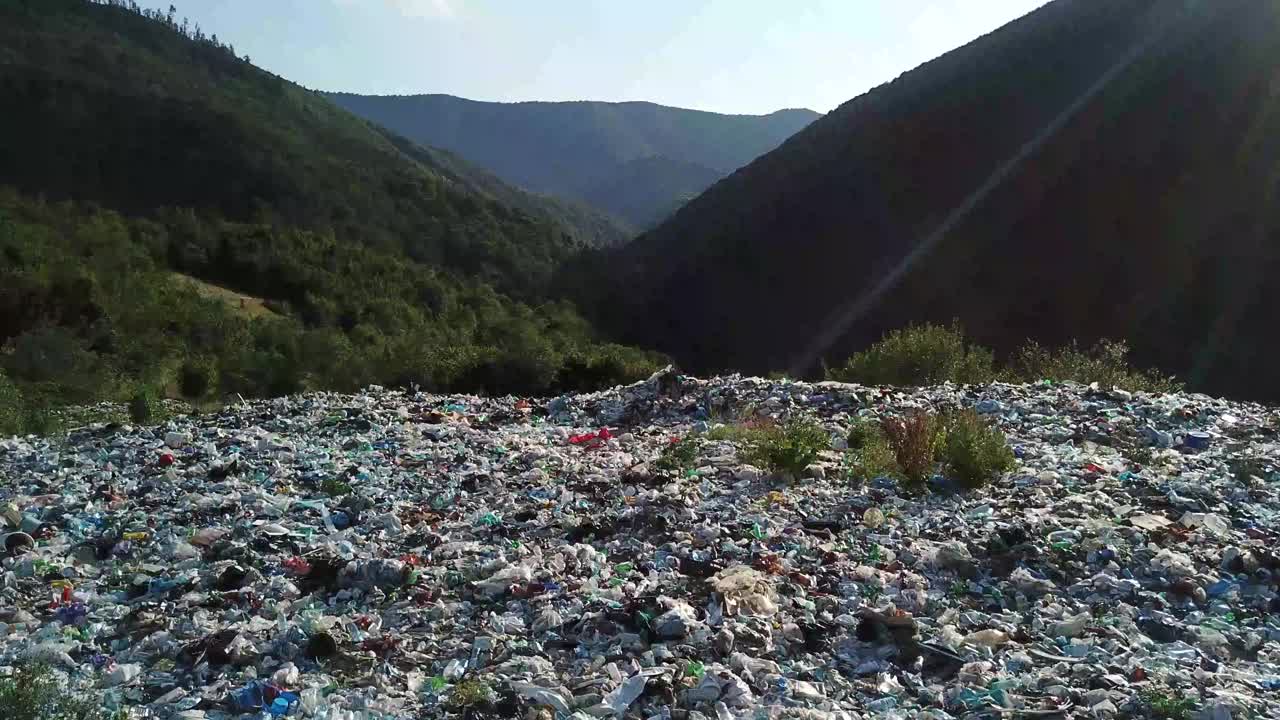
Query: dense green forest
x=636 y=161
x=1093 y=170
x=108 y=106
x=149 y=174
x=91 y=308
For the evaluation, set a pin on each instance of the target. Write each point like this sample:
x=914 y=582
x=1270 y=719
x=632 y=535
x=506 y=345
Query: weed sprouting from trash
x=1163 y=705
x=678 y=456
x=471 y=692
x=914 y=440
x=786 y=448
x=34 y=693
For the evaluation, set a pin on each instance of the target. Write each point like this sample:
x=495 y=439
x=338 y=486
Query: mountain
x=148 y=174
x=204 y=128
x=1094 y=169
x=637 y=161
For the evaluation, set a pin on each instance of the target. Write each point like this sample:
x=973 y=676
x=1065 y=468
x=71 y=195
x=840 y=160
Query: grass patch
x=246 y=305
x=1165 y=706
x=334 y=487
x=25 y=414
x=729 y=433
x=679 y=456
x=35 y=693
x=785 y=448
x=11 y=407
x=469 y=693
x=147 y=407
x=869 y=455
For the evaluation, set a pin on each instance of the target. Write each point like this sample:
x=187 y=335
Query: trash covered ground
x=392 y=555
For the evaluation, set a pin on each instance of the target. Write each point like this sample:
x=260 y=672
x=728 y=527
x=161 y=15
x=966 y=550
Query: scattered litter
x=396 y=555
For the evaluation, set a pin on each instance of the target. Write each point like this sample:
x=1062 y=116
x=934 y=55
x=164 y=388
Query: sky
x=731 y=56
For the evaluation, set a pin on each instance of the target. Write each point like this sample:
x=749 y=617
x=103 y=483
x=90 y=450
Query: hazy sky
x=739 y=56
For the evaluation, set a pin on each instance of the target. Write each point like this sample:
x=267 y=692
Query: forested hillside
x=637 y=161
x=1095 y=169
x=134 y=147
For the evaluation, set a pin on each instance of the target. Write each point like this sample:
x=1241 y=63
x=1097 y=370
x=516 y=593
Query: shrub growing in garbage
x=1107 y=364
x=146 y=407
x=38 y=418
x=919 y=355
x=975 y=451
x=786 y=448
x=1164 y=705
x=34 y=693
x=470 y=693
x=869 y=455
x=914 y=440
x=678 y=456
x=931 y=354
x=198 y=377
x=11 y=407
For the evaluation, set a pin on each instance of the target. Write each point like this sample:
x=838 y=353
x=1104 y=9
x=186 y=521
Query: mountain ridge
x=648 y=103
x=570 y=149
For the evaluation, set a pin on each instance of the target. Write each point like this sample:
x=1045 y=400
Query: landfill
x=395 y=554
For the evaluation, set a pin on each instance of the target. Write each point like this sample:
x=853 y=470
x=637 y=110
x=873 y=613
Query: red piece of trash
x=594 y=439
x=166 y=460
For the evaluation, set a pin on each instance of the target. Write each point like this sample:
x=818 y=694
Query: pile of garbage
x=401 y=555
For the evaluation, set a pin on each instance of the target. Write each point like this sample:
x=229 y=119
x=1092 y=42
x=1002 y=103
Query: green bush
x=786 y=448
x=1164 y=705
x=975 y=451
x=334 y=487
x=34 y=693
x=197 y=377
x=96 y=304
x=470 y=693
x=931 y=354
x=919 y=355
x=1106 y=364
x=48 y=354
x=146 y=407
x=12 y=409
x=39 y=419
x=915 y=440
x=869 y=455
x=678 y=456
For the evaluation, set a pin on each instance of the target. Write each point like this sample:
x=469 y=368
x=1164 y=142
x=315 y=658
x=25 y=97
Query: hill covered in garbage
x=614 y=554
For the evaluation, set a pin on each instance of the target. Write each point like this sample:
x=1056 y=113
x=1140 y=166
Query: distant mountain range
x=1094 y=169
x=636 y=160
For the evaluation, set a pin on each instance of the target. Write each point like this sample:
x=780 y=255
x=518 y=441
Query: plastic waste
x=390 y=554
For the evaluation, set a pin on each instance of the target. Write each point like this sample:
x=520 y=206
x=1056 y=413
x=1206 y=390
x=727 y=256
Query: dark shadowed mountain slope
x=588 y=150
x=1093 y=169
